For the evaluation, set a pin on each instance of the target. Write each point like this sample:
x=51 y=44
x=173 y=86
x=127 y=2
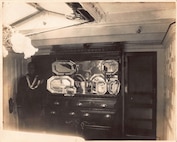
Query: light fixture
x=22 y=44
x=17 y=42
x=4 y=51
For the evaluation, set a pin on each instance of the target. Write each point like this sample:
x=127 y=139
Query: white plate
x=63 y=67
x=114 y=86
x=58 y=84
x=110 y=67
x=98 y=84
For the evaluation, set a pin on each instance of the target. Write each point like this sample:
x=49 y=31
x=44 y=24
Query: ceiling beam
x=25 y=19
x=98 y=39
x=102 y=31
x=141 y=16
x=37 y=6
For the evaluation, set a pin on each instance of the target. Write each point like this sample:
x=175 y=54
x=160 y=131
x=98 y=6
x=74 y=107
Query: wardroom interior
x=89 y=70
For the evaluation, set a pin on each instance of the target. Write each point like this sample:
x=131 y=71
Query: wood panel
x=140 y=96
x=14 y=66
x=157 y=38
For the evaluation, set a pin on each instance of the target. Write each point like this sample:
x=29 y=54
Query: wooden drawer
x=54 y=101
x=94 y=132
x=104 y=104
x=69 y=114
x=101 y=117
x=95 y=103
x=53 y=111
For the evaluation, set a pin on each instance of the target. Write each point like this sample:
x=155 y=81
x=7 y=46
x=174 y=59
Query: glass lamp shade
x=22 y=44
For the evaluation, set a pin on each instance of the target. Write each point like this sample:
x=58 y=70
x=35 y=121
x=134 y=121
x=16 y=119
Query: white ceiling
x=139 y=22
x=13 y=12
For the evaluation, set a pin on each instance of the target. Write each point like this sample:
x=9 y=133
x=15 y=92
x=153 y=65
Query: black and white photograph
x=88 y=71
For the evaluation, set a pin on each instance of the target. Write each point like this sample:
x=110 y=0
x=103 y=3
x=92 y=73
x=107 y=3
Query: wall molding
x=171 y=33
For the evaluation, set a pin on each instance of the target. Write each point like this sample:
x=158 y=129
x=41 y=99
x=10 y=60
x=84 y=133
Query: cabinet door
x=140 y=95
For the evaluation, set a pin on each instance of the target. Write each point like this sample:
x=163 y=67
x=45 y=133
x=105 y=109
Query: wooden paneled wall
x=170 y=85
x=14 y=66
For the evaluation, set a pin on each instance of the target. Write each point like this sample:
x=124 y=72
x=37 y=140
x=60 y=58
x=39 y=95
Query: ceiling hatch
x=32 y=18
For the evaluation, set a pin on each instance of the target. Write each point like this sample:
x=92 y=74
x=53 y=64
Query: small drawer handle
x=86 y=114
x=72 y=113
x=56 y=103
x=103 y=105
x=79 y=104
x=53 y=112
x=108 y=116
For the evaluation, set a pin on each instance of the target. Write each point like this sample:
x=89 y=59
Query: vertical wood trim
x=123 y=93
x=12 y=70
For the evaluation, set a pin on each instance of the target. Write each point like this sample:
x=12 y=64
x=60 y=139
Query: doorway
x=140 y=95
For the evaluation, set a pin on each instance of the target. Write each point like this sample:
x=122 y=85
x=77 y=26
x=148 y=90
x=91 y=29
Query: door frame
x=154 y=114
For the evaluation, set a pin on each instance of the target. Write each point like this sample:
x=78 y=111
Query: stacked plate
x=63 y=67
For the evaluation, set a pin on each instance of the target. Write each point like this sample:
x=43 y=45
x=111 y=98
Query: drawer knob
x=103 y=105
x=56 y=103
x=86 y=114
x=79 y=104
x=108 y=116
x=72 y=113
x=52 y=112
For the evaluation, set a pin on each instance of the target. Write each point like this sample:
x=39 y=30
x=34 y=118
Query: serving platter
x=60 y=84
x=63 y=67
x=110 y=67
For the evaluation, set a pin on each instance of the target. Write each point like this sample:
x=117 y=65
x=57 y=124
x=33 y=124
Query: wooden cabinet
x=92 y=110
x=129 y=113
x=88 y=116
